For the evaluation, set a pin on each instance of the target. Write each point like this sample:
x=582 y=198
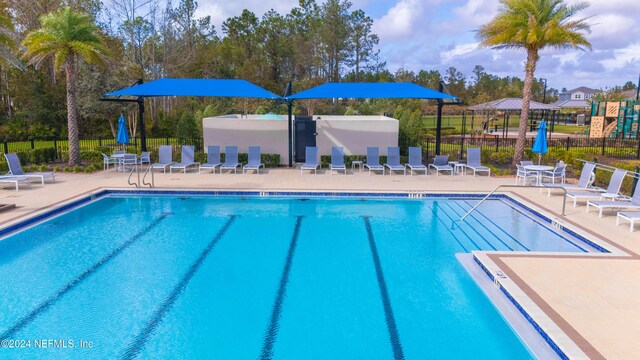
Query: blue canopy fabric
x=540 y=145
x=196 y=87
x=123 y=133
x=371 y=91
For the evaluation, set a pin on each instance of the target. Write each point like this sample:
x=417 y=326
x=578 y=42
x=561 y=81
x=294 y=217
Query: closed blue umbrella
x=123 y=133
x=540 y=145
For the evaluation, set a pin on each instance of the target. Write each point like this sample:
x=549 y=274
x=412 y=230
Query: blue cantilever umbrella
x=123 y=133
x=540 y=145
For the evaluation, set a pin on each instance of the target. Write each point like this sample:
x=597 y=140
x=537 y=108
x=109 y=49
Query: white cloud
x=222 y=10
x=400 y=20
x=458 y=51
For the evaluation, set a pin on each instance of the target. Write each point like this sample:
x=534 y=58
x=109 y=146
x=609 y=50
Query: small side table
x=354 y=163
x=459 y=168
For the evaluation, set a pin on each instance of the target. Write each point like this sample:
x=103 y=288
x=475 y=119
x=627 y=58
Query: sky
x=437 y=34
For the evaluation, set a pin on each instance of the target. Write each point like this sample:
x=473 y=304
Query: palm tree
x=533 y=25
x=67 y=37
x=8 y=41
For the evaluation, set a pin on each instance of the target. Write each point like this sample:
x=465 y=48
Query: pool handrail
x=564 y=198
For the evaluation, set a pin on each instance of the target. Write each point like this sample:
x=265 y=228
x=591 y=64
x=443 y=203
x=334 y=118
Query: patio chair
x=632 y=204
x=441 y=163
x=587 y=177
x=526 y=162
x=254 y=160
x=415 y=161
x=108 y=161
x=373 y=160
x=558 y=173
x=630 y=216
x=310 y=160
x=186 y=160
x=145 y=158
x=612 y=192
x=337 y=160
x=393 y=160
x=230 y=159
x=165 y=158
x=16 y=180
x=119 y=152
x=127 y=160
x=525 y=174
x=213 y=159
x=473 y=162
x=15 y=169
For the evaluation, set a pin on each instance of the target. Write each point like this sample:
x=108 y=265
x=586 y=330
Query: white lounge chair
x=230 y=159
x=310 y=160
x=16 y=180
x=253 y=160
x=15 y=169
x=373 y=160
x=415 y=161
x=587 y=176
x=441 y=163
x=186 y=160
x=473 y=162
x=630 y=216
x=631 y=204
x=612 y=192
x=213 y=159
x=165 y=158
x=337 y=160
x=393 y=160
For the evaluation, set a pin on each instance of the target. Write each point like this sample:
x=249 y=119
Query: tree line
x=314 y=43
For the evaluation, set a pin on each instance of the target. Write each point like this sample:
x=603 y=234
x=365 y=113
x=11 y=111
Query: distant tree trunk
x=70 y=68
x=530 y=68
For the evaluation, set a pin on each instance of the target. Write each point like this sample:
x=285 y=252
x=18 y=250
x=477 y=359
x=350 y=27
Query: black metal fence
x=607 y=147
x=94 y=144
x=454 y=146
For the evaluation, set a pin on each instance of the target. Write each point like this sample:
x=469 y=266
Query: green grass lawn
x=455 y=121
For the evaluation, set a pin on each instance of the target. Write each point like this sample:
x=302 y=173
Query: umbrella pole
x=539 y=158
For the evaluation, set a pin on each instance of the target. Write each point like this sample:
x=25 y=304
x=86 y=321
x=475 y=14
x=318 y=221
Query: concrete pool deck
x=594 y=299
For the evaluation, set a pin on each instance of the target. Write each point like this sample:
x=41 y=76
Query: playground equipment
x=615 y=119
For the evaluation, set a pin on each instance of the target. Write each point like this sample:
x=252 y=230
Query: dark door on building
x=304 y=135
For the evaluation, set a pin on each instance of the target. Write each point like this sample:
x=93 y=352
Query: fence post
x=135 y=142
x=6 y=147
x=638 y=152
x=568 y=141
x=55 y=147
x=635 y=180
x=167 y=141
x=427 y=150
x=461 y=147
x=33 y=144
x=604 y=139
x=497 y=143
x=100 y=142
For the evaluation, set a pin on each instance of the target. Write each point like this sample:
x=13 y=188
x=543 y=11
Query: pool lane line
x=438 y=206
x=494 y=224
x=274 y=323
x=78 y=280
x=139 y=341
x=476 y=229
x=394 y=336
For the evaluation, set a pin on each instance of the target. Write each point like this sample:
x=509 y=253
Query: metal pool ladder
x=564 y=199
x=141 y=182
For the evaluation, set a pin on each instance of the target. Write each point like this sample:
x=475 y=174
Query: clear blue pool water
x=260 y=278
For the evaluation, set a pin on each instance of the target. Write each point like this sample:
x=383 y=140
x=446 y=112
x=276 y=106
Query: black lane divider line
x=274 y=322
x=394 y=336
x=78 y=280
x=139 y=341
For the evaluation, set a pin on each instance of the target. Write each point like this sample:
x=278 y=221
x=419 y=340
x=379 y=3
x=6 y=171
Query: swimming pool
x=249 y=277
